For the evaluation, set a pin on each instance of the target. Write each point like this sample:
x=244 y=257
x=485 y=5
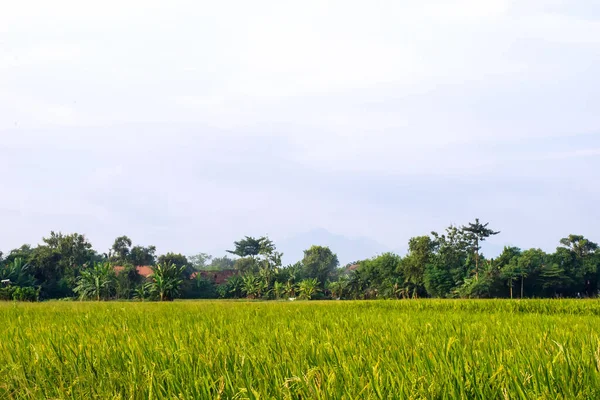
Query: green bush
x=198 y=288
x=26 y=293
x=6 y=293
x=17 y=293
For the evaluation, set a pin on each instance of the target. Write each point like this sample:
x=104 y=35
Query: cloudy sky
x=188 y=124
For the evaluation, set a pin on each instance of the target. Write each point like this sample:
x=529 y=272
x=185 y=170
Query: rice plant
x=429 y=349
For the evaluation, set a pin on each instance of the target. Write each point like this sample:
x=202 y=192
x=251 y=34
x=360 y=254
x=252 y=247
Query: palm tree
x=308 y=288
x=95 y=282
x=166 y=280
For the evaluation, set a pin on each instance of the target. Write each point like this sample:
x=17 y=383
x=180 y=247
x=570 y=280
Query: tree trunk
x=522 y=279
x=511 y=289
x=476 y=260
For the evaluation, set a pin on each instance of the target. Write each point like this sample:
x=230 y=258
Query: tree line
x=443 y=265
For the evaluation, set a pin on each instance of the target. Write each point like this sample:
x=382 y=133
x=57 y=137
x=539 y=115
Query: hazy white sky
x=187 y=124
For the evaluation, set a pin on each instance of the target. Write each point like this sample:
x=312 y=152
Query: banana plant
x=166 y=281
x=290 y=289
x=16 y=273
x=308 y=288
x=143 y=292
x=278 y=290
x=95 y=282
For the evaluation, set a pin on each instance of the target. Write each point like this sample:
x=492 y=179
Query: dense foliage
x=443 y=265
x=424 y=349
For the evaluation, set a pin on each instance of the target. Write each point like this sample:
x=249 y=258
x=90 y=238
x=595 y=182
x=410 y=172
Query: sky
x=189 y=124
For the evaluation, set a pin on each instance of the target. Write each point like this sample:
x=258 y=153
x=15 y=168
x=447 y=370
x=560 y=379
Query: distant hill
x=347 y=249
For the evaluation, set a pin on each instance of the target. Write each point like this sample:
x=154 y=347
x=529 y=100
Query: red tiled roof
x=352 y=267
x=218 y=277
x=143 y=270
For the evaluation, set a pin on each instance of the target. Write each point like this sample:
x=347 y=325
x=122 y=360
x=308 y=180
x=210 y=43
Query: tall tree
x=319 y=263
x=529 y=264
x=380 y=274
x=24 y=252
x=120 y=250
x=247 y=247
x=140 y=255
x=507 y=262
x=245 y=265
x=256 y=254
x=56 y=263
x=579 y=245
x=126 y=282
x=222 y=263
x=178 y=260
x=200 y=261
x=478 y=232
x=269 y=258
x=74 y=249
x=449 y=263
x=552 y=278
x=420 y=253
x=581 y=264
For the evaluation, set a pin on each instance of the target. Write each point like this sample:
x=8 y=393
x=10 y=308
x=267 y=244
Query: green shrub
x=6 y=293
x=18 y=293
x=27 y=293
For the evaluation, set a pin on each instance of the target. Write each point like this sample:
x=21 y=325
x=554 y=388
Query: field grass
x=531 y=349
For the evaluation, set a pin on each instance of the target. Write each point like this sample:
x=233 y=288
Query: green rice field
x=411 y=349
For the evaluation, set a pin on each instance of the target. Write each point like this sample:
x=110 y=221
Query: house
x=216 y=277
x=352 y=267
x=143 y=270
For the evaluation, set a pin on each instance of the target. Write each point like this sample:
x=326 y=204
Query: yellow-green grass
x=533 y=349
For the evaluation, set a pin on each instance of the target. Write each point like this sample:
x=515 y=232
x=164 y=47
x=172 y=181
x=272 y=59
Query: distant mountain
x=347 y=249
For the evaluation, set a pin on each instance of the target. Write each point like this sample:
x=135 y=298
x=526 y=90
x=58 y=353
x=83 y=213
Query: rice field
x=430 y=349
